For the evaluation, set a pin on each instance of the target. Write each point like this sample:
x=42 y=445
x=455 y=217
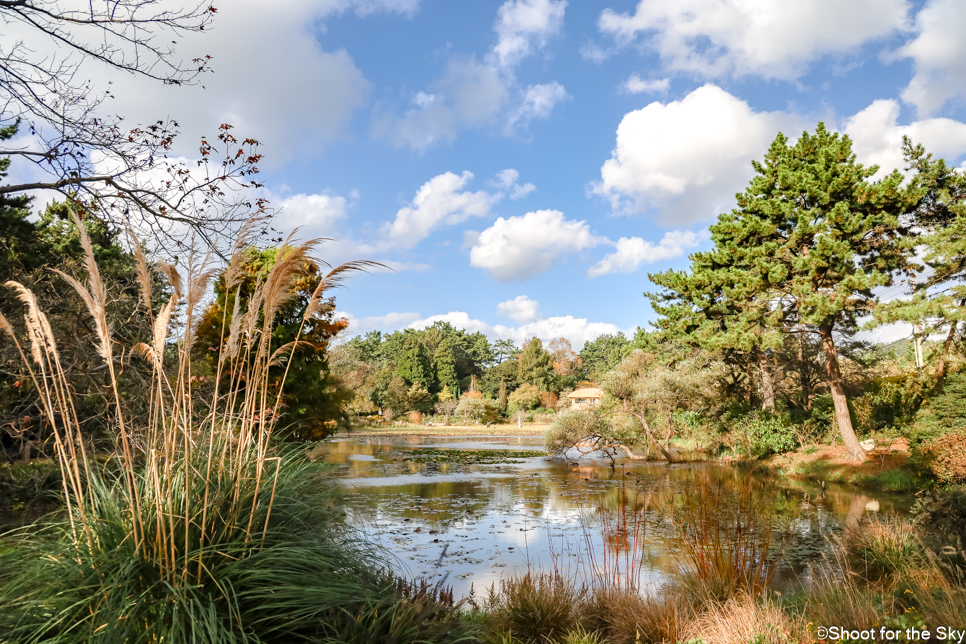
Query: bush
x=478 y=410
x=28 y=482
x=767 y=433
x=942 y=413
x=941 y=513
x=945 y=455
x=525 y=397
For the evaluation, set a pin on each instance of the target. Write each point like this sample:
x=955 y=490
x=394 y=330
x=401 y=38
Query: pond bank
x=888 y=468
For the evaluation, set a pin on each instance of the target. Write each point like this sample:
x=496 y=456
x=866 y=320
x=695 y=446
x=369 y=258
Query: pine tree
x=809 y=241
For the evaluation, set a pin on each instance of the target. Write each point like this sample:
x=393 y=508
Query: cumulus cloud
x=688 y=157
x=635 y=85
x=474 y=94
x=521 y=247
x=714 y=38
x=634 y=252
x=877 y=137
x=321 y=215
x=441 y=200
x=523 y=26
x=509 y=181
x=577 y=330
x=258 y=55
x=520 y=309
x=939 y=54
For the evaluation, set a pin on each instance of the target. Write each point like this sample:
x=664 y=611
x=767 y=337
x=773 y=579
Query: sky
x=523 y=165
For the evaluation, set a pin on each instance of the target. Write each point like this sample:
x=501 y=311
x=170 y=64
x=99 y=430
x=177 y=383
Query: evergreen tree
x=536 y=365
x=414 y=364
x=938 y=301
x=809 y=241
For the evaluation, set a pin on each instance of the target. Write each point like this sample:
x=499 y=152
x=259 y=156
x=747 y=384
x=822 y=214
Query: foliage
x=942 y=412
x=945 y=455
x=941 y=513
x=536 y=365
x=571 y=427
x=809 y=241
x=767 y=433
x=27 y=256
x=219 y=538
x=525 y=397
x=604 y=353
x=478 y=410
x=311 y=395
x=535 y=608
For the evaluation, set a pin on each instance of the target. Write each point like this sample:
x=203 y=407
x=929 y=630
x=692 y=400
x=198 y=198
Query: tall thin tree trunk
x=941 y=371
x=803 y=371
x=749 y=377
x=838 y=394
x=767 y=382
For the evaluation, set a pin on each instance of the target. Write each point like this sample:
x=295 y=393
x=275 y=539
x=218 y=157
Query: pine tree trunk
x=941 y=371
x=803 y=372
x=767 y=382
x=838 y=395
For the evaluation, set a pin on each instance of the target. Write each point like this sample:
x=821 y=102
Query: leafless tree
x=121 y=174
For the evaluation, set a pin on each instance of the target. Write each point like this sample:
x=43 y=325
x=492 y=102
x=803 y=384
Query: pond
x=474 y=509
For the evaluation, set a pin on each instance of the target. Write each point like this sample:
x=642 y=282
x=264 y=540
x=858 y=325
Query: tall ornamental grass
x=198 y=530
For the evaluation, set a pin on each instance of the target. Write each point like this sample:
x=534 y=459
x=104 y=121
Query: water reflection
x=490 y=520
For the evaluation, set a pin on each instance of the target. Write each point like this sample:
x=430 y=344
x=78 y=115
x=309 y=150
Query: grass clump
x=535 y=607
x=197 y=529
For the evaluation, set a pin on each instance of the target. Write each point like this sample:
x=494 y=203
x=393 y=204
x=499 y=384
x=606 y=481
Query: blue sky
x=524 y=164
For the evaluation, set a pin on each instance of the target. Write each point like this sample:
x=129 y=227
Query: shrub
x=478 y=410
x=941 y=513
x=943 y=412
x=767 y=433
x=525 y=397
x=415 y=417
x=945 y=455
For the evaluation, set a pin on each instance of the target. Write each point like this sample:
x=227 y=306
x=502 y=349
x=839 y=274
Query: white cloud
x=438 y=201
x=577 y=330
x=688 y=157
x=877 y=137
x=633 y=252
x=538 y=103
x=939 y=52
x=388 y=322
x=523 y=26
x=473 y=94
x=508 y=180
x=272 y=78
x=635 y=85
x=320 y=215
x=521 y=247
x=738 y=37
x=520 y=309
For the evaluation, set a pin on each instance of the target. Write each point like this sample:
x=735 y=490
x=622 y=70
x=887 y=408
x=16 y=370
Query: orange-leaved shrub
x=946 y=455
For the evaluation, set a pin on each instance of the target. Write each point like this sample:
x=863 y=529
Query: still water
x=474 y=509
